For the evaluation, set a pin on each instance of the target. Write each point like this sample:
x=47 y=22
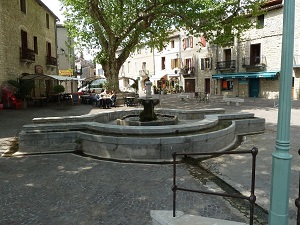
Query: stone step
x=164 y=217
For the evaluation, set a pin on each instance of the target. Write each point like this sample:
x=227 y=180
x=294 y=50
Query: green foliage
x=111 y=25
x=22 y=88
x=57 y=89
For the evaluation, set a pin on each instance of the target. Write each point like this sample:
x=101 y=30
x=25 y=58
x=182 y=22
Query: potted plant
x=22 y=89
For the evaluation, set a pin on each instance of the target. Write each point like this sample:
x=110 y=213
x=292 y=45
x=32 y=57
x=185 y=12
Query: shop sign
x=68 y=72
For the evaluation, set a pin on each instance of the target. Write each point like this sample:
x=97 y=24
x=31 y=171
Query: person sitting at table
x=113 y=99
x=104 y=100
x=94 y=99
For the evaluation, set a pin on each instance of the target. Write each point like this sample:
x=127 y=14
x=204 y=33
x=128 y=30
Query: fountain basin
x=161 y=120
x=108 y=140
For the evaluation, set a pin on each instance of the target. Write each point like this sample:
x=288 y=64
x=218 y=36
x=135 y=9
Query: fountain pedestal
x=148 y=113
x=148 y=102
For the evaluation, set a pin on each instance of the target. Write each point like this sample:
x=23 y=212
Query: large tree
x=120 y=26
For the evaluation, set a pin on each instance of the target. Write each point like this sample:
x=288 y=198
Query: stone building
x=175 y=67
x=65 y=52
x=248 y=67
x=251 y=66
x=27 y=40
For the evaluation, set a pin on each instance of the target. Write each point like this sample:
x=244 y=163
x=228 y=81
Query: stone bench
x=184 y=96
x=237 y=101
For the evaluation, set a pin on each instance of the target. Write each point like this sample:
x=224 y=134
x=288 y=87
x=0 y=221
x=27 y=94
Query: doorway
x=189 y=85
x=207 y=85
x=254 y=87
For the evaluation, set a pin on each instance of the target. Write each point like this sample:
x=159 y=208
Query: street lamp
x=281 y=166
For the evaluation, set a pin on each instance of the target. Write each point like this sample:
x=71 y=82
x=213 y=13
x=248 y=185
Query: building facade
x=65 y=52
x=247 y=67
x=251 y=66
x=27 y=40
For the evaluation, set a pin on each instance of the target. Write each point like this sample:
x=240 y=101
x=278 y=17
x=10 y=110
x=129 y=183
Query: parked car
x=97 y=85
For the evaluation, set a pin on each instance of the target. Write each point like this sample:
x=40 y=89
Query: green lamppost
x=281 y=165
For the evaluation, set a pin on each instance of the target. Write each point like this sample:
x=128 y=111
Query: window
x=23 y=6
x=187 y=42
x=163 y=63
x=188 y=64
x=48 y=48
x=227 y=85
x=260 y=21
x=174 y=63
x=206 y=63
x=47 y=21
x=172 y=44
x=255 y=57
x=35 y=45
x=144 y=66
x=24 y=40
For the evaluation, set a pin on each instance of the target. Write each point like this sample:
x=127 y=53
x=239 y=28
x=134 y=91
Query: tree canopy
x=121 y=26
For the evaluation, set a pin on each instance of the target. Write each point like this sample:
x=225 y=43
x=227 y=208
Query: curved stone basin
x=98 y=134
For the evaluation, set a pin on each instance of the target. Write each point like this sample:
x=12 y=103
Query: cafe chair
x=16 y=103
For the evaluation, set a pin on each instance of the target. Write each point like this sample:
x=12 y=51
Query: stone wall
x=12 y=21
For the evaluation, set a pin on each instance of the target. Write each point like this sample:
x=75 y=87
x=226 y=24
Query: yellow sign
x=68 y=72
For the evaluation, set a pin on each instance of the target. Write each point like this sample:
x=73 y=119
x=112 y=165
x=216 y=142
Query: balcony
x=187 y=71
x=27 y=55
x=226 y=65
x=51 y=61
x=254 y=62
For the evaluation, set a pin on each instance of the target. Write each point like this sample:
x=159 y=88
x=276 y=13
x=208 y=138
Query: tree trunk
x=111 y=72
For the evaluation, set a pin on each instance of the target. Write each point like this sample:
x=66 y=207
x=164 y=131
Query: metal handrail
x=251 y=198
x=230 y=64
x=254 y=61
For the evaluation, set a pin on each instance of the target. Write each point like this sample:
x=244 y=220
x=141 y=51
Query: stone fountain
x=147 y=138
x=148 y=116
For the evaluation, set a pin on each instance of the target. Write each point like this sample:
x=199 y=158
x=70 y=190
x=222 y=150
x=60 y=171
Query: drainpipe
x=281 y=166
x=237 y=62
x=218 y=82
x=55 y=27
x=180 y=61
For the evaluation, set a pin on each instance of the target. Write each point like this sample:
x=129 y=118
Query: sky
x=54 y=6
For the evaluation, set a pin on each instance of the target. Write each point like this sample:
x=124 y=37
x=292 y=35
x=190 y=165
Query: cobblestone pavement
x=69 y=189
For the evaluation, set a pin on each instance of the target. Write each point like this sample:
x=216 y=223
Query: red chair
x=16 y=103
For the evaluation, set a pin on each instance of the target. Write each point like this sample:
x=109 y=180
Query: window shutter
x=191 y=42
x=202 y=64
x=184 y=43
x=172 y=63
x=210 y=63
